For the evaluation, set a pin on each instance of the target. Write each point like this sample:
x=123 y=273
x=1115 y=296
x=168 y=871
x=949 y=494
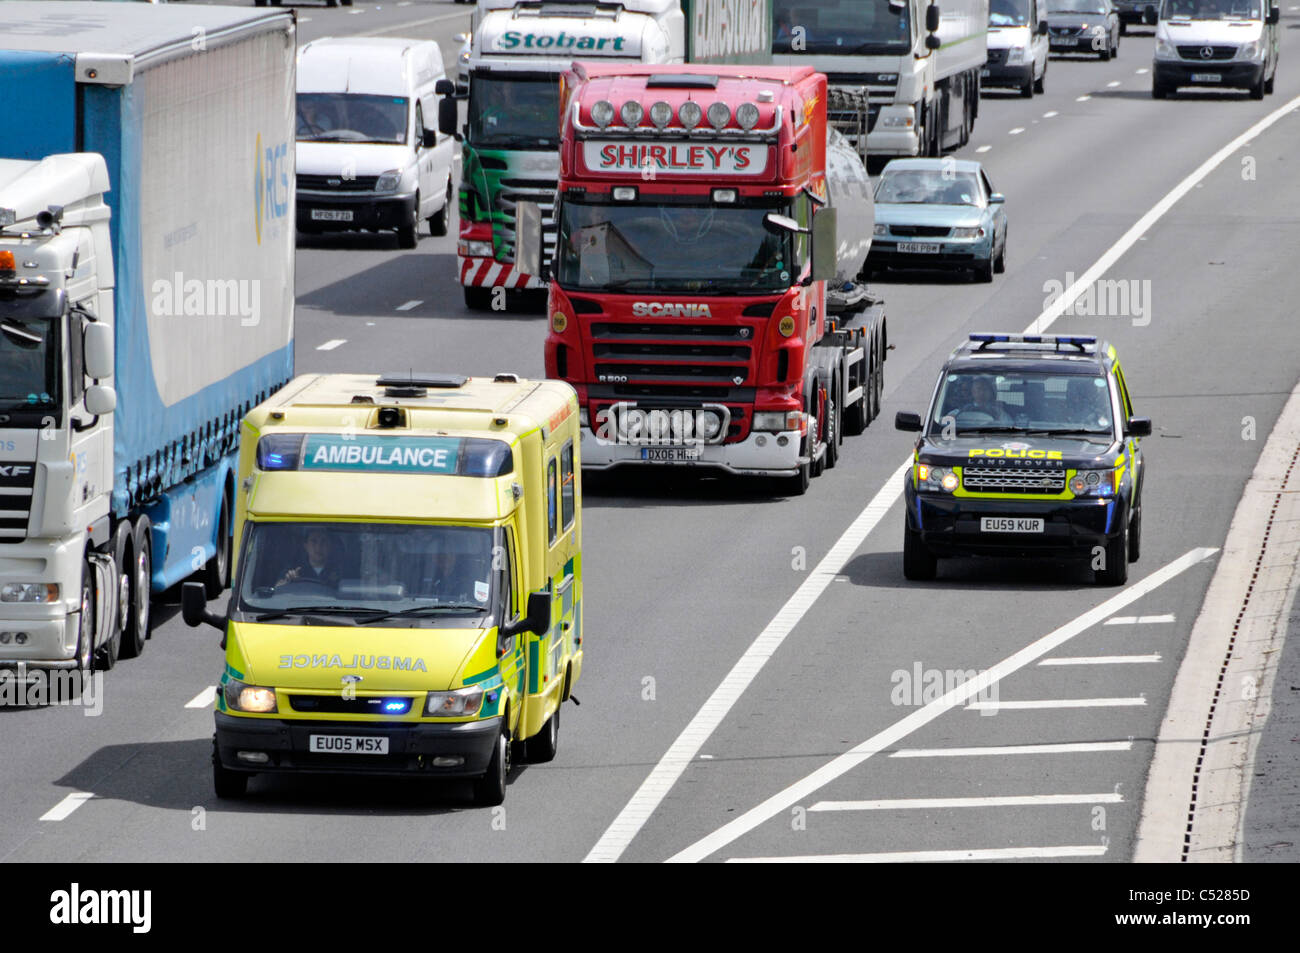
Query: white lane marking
x=889 y=737
x=203 y=699
x=1037 y=703
x=1070 y=747
x=1139 y=620
x=409 y=305
x=356 y=12
x=1142 y=71
x=331 y=345
x=1016 y=131
x=983 y=148
x=943 y=803
x=1101 y=660
x=932 y=856
x=67 y=806
x=1112 y=84
x=1082 y=99
x=661 y=778
x=1050 y=113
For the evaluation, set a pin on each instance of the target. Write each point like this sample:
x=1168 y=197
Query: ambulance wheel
x=1114 y=571
x=478 y=299
x=86 y=621
x=136 y=629
x=229 y=785
x=541 y=747
x=919 y=563
x=216 y=574
x=490 y=789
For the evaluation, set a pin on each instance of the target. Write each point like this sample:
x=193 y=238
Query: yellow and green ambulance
x=408 y=580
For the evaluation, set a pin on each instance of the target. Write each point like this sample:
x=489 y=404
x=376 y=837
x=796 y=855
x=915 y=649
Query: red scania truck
x=688 y=285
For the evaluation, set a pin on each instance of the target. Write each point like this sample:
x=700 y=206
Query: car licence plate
x=1066 y=40
x=923 y=248
x=348 y=744
x=1007 y=524
x=330 y=215
x=670 y=454
x=1207 y=78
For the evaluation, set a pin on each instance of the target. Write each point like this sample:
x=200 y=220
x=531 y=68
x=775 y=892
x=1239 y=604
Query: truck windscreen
x=30 y=354
x=351 y=117
x=840 y=27
x=512 y=112
x=687 y=249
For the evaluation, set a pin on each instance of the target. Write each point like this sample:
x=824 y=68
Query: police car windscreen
x=29 y=354
x=513 y=112
x=351 y=117
x=972 y=401
x=673 y=249
x=840 y=26
x=361 y=569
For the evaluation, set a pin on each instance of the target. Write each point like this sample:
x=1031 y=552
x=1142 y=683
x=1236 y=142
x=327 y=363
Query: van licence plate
x=1207 y=77
x=1008 y=524
x=331 y=215
x=923 y=248
x=986 y=73
x=1065 y=40
x=348 y=744
x=670 y=454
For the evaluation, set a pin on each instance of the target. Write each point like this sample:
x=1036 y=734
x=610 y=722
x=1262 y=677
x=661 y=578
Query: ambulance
x=407 y=598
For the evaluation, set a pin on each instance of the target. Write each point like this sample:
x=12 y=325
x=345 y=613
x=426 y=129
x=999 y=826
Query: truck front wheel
x=86 y=620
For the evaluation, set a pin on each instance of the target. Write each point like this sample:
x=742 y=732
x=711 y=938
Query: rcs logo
x=270 y=184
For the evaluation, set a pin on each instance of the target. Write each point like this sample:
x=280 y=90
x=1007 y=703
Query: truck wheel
x=86 y=621
x=1115 y=570
x=136 y=629
x=857 y=415
x=542 y=746
x=229 y=785
x=833 y=425
x=819 y=466
x=919 y=563
x=878 y=384
x=216 y=574
x=408 y=235
x=478 y=299
x=438 y=223
x=490 y=789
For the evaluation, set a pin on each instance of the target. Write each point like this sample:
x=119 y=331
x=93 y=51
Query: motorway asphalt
x=683 y=573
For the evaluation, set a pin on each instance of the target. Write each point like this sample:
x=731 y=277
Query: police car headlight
x=457 y=704
x=1094 y=482
x=250 y=698
x=30 y=592
x=936 y=479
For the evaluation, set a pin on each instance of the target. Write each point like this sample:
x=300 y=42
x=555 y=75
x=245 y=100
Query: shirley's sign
x=677 y=158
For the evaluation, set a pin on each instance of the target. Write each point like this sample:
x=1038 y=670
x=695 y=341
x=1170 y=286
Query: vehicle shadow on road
x=634 y=487
x=885 y=571
x=1212 y=96
x=911 y=276
x=177 y=775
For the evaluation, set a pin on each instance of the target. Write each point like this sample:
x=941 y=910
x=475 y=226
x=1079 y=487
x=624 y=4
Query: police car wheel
x=542 y=746
x=1135 y=537
x=1114 y=571
x=919 y=564
x=490 y=789
x=227 y=784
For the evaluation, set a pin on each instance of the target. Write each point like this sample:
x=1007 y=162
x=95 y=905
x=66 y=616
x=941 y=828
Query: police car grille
x=994 y=480
x=337 y=183
x=16 y=503
x=1217 y=52
x=338 y=705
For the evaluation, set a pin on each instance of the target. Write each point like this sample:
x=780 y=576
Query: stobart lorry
x=146 y=303
x=688 y=292
x=518 y=50
x=918 y=63
x=408 y=580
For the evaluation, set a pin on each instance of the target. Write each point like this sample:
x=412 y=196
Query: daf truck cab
x=1224 y=44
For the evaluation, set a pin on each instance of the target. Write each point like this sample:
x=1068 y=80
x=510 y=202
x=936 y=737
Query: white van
x=369 y=153
x=1229 y=44
x=1018 y=46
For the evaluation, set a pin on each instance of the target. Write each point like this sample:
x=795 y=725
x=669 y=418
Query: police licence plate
x=923 y=248
x=331 y=215
x=348 y=744
x=670 y=454
x=1007 y=524
x=1207 y=77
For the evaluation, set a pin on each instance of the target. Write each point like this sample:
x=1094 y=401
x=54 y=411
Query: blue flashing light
x=397 y=707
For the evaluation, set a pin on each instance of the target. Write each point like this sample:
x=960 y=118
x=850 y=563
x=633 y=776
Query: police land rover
x=1030 y=448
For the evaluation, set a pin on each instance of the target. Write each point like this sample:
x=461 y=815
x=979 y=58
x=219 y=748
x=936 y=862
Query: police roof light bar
x=1081 y=341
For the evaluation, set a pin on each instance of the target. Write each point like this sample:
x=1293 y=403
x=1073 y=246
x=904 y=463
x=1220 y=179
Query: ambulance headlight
x=30 y=592
x=602 y=113
x=457 y=704
x=250 y=698
x=690 y=114
x=1094 y=482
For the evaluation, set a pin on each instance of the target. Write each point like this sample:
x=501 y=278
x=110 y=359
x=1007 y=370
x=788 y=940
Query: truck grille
x=996 y=480
x=879 y=92
x=708 y=373
x=1216 y=52
x=514 y=191
x=645 y=353
x=337 y=183
x=16 y=503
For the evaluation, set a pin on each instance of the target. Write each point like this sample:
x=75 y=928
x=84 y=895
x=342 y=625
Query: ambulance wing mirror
x=1138 y=427
x=528 y=239
x=194 y=608
x=537 y=620
x=825 y=245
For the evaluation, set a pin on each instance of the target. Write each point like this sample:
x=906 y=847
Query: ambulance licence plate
x=1007 y=524
x=331 y=215
x=670 y=454
x=348 y=744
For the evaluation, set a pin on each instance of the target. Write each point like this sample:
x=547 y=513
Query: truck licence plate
x=331 y=215
x=923 y=248
x=1007 y=524
x=348 y=744
x=1207 y=78
x=670 y=454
